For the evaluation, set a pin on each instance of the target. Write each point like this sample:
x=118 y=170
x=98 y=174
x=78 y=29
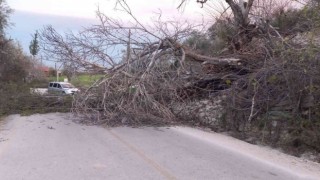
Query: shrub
x=17 y=99
x=280 y=102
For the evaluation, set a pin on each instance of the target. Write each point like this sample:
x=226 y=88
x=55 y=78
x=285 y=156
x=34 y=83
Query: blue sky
x=26 y=23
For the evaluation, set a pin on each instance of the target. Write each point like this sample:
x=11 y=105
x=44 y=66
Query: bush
x=14 y=64
x=280 y=102
x=17 y=99
x=293 y=21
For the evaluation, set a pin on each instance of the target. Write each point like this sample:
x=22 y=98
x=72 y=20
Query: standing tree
x=5 y=11
x=240 y=10
x=14 y=64
x=34 y=45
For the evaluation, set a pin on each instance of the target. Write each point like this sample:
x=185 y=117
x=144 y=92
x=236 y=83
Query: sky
x=65 y=15
x=87 y=8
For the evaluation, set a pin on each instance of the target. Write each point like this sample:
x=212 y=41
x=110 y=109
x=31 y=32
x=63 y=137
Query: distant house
x=45 y=70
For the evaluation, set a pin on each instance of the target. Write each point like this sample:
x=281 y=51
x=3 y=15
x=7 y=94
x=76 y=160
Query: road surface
x=54 y=147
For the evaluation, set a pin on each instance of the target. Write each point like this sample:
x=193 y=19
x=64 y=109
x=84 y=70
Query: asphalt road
x=53 y=147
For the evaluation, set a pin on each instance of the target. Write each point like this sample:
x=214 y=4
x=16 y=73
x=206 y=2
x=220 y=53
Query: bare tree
x=251 y=18
x=240 y=10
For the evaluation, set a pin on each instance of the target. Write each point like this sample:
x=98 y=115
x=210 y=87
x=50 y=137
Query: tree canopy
x=5 y=11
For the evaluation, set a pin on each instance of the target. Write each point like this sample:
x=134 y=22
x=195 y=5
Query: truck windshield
x=67 y=85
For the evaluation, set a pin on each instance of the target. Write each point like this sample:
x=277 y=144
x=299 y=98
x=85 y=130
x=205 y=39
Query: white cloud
x=79 y=8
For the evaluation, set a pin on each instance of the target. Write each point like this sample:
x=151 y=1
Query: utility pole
x=55 y=67
x=129 y=47
x=57 y=76
x=57 y=70
x=128 y=58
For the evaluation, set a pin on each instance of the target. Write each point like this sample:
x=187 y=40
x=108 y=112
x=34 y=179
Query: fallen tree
x=141 y=81
x=152 y=68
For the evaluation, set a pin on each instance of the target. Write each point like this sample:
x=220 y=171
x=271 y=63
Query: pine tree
x=34 y=45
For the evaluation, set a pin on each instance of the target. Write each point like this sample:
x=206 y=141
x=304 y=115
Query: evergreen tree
x=34 y=45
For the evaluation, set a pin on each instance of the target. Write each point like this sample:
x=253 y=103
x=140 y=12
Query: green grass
x=85 y=80
x=61 y=78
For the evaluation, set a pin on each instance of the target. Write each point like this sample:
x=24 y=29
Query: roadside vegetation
x=18 y=99
x=19 y=73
